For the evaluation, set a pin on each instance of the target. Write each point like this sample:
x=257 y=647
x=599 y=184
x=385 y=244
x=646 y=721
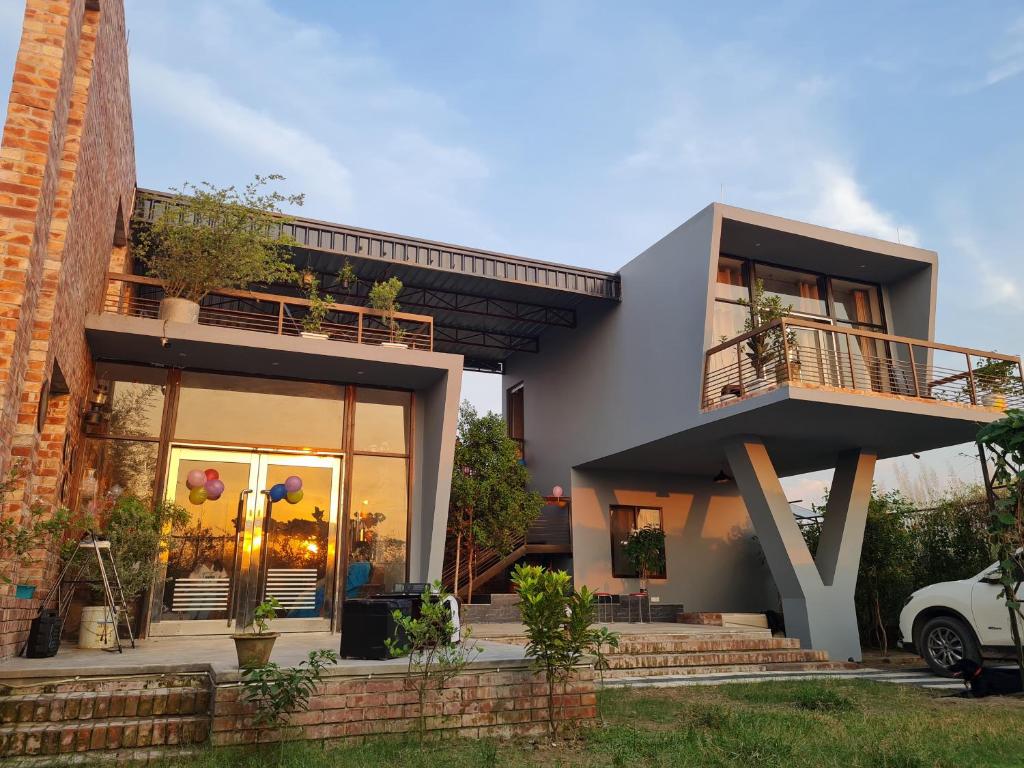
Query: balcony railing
x=813 y=354
x=139 y=296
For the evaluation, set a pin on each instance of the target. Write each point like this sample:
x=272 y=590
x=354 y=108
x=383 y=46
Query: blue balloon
x=278 y=492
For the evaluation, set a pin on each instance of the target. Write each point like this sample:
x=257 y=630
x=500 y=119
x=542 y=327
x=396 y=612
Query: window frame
x=634 y=509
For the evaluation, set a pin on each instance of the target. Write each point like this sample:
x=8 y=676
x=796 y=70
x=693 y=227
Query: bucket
x=97 y=629
x=24 y=591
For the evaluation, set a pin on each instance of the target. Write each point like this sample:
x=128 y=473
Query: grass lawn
x=791 y=724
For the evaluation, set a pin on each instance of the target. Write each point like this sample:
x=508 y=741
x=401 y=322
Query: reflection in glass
x=113 y=467
x=856 y=302
x=378 y=524
x=136 y=399
x=296 y=543
x=201 y=555
x=803 y=291
x=260 y=412
x=382 y=420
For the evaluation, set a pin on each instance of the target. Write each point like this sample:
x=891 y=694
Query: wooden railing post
x=785 y=346
x=359 y=327
x=739 y=368
x=970 y=380
x=913 y=371
x=280 y=318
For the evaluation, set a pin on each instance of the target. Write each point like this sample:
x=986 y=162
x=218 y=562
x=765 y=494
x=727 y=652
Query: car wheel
x=945 y=641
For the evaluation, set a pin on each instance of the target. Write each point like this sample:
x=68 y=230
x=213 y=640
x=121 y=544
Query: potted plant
x=384 y=298
x=645 y=550
x=769 y=347
x=993 y=381
x=208 y=238
x=319 y=306
x=19 y=538
x=254 y=647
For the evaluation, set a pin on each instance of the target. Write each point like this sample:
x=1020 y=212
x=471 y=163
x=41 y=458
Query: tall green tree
x=491 y=506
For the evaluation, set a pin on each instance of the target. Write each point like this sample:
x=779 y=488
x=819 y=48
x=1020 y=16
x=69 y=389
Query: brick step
x=13 y=687
x=701 y=645
x=142 y=756
x=655 y=661
x=99 y=705
x=114 y=733
x=812 y=666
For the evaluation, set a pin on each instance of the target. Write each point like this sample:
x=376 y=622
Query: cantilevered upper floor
x=691 y=357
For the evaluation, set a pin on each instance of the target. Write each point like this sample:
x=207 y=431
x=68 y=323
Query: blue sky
x=583 y=131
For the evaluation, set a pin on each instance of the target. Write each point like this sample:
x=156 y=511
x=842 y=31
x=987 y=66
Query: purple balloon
x=196 y=479
x=214 y=488
x=293 y=484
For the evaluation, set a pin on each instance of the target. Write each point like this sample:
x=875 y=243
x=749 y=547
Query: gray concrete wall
x=713 y=561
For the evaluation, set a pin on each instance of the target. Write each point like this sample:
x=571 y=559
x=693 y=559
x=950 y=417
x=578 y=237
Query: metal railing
x=813 y=354
x=138 y=296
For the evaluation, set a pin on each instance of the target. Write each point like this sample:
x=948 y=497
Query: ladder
x=113 y=592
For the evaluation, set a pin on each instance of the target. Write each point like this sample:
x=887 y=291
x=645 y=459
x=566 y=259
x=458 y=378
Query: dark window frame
x=617 y=546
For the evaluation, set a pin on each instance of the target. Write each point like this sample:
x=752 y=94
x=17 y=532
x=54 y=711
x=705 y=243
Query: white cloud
x=843 y=205
x=1007 y=59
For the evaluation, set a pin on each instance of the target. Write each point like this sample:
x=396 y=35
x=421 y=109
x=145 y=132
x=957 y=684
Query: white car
x=946 y=622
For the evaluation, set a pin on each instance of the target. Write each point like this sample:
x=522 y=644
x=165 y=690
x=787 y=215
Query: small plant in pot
x=994 y=380
x=208 y=238
x=319 y=307
x=254 y=647
x=769 y=347
x=384 y=298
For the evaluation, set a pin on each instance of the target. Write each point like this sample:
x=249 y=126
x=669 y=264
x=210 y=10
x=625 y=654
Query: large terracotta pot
x=178 y=310
x=254 y=650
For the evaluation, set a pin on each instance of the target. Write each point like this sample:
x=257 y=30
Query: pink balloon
x=214 y=488
x=557 y=491
x=196 y=479
x=293 y=484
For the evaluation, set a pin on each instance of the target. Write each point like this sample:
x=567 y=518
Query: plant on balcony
x=490 y=506
x=645 y=551
x=768 y=348
x=383 y=297
x=559 y=625
x=433 y=658
x=994 y=380
x=1004 y=439
x=208 y=238
x=319 y=308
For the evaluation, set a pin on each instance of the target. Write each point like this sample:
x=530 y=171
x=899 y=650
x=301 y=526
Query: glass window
x=136 y=403
x=857 y=302
x=378 y=522
x=113 y=467
x=732 y=280
x=240 y=410
x=382 y=421
x=623 y=521
x=801 y=290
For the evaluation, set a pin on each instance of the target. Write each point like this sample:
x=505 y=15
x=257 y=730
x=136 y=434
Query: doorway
x=242 y=546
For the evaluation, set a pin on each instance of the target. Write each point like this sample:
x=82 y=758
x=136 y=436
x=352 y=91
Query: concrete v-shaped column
x=817 y=596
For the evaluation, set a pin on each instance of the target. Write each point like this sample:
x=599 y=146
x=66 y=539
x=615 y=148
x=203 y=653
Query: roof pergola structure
x=486 y=305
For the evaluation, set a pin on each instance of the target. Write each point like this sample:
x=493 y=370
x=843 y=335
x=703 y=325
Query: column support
x=817 y=595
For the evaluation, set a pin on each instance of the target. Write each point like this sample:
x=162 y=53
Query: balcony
x=138 y=296
x=805 y=353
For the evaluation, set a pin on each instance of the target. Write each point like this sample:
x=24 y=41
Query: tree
x=645 y=550
x=1004 y=439
x=383 y=297
x=490 y=505
x=559 y=625
x=210 y=237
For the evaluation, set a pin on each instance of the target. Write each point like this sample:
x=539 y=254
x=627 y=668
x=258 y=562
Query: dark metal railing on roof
x=812 y=354
x=368 y=244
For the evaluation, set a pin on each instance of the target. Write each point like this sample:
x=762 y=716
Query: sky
x=581 y=132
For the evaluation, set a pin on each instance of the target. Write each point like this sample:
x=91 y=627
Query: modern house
x=640 y=393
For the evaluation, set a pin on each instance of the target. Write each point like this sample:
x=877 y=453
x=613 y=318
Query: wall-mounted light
x=721 y=478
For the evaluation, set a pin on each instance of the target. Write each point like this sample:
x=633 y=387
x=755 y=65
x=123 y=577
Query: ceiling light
x=721 y=478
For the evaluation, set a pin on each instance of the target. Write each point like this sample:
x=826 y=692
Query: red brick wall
x=66 y=169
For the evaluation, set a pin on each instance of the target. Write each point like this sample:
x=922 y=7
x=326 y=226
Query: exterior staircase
x=672 y=655
x=108 y=719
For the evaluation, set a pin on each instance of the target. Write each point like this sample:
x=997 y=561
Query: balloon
x=294 y=497
x=293 y=483
x=212 y=474
x=196 y=479
x=557 y=491
x=214 y=488
x=197 y=495
x=278 y=492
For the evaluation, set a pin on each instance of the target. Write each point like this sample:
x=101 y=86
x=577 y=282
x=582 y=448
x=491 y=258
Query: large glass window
x=378 y=524
x=623 y=521
x=382 y=421
x=857 y=303
x=239 y=410
x=135 y=399
x=115 y=467
x=805 y=292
